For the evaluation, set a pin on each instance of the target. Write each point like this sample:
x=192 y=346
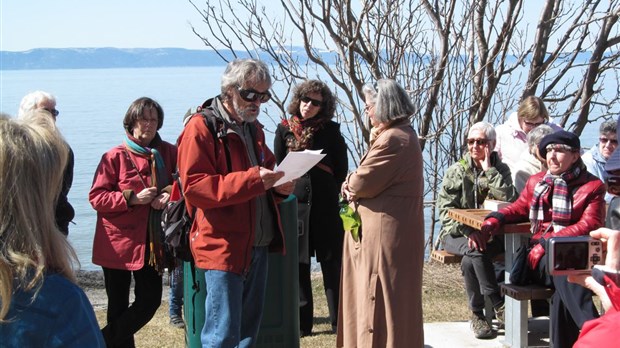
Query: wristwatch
x=599 y=273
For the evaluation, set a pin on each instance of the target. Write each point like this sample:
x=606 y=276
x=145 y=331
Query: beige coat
x=381 y=288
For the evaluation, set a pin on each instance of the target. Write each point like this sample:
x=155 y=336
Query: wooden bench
x=516 y=330
x=445 y=257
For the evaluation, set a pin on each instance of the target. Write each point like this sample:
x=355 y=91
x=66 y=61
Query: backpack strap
x=219 y=130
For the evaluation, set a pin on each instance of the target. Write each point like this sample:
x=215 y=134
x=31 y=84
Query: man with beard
x=228 y=181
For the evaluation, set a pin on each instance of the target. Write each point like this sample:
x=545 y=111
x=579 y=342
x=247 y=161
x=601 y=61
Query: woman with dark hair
x=130 y=188
x=320 y=229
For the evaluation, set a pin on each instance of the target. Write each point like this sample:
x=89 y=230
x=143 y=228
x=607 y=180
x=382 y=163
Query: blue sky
x=27 y=24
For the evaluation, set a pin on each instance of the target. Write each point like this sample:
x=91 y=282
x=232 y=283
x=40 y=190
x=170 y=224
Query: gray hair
x=485 y=127
x=535 y=135
x=240 y=71
x=609 y=126
x=29 y=102
x=391 y=101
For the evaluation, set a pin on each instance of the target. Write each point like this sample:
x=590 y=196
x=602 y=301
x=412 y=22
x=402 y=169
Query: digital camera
x=573 y=255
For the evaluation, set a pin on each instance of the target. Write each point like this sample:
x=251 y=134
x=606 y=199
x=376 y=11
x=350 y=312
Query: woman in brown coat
x=381 y=290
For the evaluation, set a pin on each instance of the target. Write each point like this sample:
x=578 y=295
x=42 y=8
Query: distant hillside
x=94 y=58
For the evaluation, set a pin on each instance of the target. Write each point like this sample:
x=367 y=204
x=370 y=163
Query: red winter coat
x=603 y=332
x=222 y=236
x=588 y=212
x=121 y=230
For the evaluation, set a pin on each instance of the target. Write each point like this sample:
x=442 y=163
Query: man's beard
x=246 y=113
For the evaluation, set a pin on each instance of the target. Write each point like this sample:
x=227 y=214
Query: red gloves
x=490 y=227
x=535 y=255
x=478 y=239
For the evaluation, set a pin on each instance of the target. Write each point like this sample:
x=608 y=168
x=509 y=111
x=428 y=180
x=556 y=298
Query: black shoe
x=177 y=322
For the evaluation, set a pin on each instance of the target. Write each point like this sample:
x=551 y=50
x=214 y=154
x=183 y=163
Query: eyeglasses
x=314 y=102
x=251 y=95
x=367 y=107
x=54 y=112
x=605 y=140
x=560 y=148
x=477 y=141
x=532 y=124
x=148 y=120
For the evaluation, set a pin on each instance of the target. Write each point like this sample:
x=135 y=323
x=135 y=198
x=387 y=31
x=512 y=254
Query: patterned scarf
x=159 y=179
x=561 y=204
x=303 y=131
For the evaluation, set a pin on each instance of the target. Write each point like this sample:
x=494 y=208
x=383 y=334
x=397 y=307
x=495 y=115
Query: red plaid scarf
x=561 y=204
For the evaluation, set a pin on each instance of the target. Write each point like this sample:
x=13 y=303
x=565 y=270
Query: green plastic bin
x=280 y=323
x=193 y=304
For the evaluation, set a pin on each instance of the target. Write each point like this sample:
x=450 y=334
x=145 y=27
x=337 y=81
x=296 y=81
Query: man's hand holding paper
x=298 y=163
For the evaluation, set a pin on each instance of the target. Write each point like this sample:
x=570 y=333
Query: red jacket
x=222 y=236
x=603 y=332
x=588 y=212
x=121 y=230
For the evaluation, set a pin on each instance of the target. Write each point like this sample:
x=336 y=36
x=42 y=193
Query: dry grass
x=443 y=300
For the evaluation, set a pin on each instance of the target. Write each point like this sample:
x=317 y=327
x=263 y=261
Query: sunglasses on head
x=314 y=102
x=251 y=95
x=54 y=112
x=477 y=141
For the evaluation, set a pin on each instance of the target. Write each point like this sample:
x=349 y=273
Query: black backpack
x=176 y=221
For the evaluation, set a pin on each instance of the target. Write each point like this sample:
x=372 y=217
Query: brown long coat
x=381 y=289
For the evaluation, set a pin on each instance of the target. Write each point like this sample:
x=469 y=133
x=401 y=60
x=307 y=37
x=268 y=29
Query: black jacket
x=64 y=210
x=319 y=190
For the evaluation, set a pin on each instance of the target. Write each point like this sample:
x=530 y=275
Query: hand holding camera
x=611 y=244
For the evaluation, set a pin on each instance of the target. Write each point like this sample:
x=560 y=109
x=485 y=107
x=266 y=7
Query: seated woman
x=530 y=162
x=564 y=201
x=40 y=303
x=479 y=175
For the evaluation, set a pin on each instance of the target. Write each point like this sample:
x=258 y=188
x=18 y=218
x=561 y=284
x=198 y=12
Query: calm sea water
x=92 y=104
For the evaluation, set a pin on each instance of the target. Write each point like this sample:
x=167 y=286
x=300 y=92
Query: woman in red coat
x=564 y=201
x=130 y=188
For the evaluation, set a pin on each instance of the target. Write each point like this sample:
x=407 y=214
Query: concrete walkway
x=458 y=334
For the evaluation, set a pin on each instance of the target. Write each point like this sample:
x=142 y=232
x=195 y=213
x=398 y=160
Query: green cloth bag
x=350 y=220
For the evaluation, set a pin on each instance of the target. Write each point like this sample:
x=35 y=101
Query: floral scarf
x=303 y=131
x=159 y=179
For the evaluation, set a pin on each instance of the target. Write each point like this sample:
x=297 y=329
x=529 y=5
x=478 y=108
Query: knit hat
x=560 y=137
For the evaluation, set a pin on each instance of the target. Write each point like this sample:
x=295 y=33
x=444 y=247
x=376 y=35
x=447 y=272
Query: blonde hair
x=32 y=157
x=531 y=108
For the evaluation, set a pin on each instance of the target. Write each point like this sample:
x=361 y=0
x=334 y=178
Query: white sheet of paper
x=296 y=164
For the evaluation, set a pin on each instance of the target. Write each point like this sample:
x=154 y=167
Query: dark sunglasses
x=477 y=141
x=314 y=102
x=54 y=112
x=250 y=95
x=605 y=140
x=613 y=184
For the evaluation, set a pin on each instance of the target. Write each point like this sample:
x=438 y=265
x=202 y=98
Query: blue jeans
x=234 y=304
x=175 y=298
